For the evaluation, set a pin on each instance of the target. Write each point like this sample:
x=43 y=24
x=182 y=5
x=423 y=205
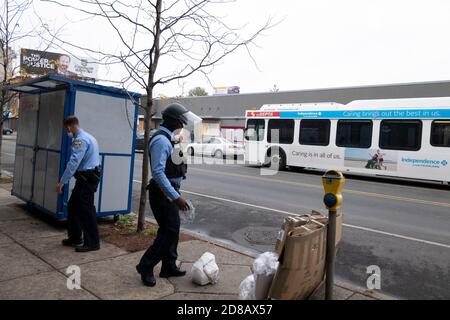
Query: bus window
x=285 y=129
x=440 y=133
x=255 y=130
x=354 y=133
x=315 y=132
x=400 y=134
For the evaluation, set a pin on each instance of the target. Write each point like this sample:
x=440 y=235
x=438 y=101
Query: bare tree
x=11 y=31
x=275 y=89
x=185 y=35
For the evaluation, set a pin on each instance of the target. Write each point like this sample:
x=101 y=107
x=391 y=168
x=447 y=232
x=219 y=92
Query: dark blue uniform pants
x=164 y=248
x=81 y=214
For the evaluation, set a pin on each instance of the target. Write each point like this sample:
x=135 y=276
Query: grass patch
x=123 y=233
x=151 y=230
x=128 y=224
x=127 y=221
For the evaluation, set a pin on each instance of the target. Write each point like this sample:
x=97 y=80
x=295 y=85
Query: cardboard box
x=290 y=223
x=317 y=216
x=322 y=220
x=302 y=257
x=302 y=266
x=262 y=286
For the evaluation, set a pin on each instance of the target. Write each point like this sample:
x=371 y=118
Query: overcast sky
x=317 y=44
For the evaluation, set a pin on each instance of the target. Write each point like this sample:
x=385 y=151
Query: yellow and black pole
x=333 y=182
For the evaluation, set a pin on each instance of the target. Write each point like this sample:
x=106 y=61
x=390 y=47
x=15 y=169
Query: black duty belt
x=91 y=175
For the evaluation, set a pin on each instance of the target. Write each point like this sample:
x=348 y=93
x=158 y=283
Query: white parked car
x=217 y=147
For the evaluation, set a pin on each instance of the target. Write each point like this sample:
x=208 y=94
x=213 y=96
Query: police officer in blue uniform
x=84 y=165
x=168 y=169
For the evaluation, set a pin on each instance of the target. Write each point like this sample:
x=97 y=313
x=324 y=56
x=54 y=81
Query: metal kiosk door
x=38 y=149
x=26 y=141
x=48 y=150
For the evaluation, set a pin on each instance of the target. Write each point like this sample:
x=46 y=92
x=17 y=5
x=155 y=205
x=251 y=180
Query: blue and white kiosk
x=43 y=148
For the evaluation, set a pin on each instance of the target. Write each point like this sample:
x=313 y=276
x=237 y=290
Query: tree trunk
x=2 y=103
x=145 y=162
x=154 y=57
x=1 y=142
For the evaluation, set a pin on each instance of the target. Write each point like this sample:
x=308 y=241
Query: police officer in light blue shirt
x=168 y=170
x=162 y=150
x=84 y=165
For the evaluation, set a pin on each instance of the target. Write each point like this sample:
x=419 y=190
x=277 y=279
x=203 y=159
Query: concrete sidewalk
x=34 y=264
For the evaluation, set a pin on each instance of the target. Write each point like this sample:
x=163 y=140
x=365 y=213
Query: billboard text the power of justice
x=34 y=62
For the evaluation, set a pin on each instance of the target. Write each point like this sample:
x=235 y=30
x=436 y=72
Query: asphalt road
x=401 y=226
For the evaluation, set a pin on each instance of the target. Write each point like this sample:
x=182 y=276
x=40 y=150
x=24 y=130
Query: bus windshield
x=255 y=130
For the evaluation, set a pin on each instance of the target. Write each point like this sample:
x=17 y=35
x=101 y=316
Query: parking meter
x=333 y=183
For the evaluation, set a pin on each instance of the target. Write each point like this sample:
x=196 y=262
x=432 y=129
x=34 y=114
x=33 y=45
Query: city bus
x=407 y=138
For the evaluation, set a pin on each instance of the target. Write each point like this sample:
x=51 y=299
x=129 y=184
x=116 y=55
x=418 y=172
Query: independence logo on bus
x=425 y=162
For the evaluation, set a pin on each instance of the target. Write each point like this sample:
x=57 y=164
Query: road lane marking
x=314 y=186
x=233 y=201
x=240 y=203
x=398 y=236
x=293 y=214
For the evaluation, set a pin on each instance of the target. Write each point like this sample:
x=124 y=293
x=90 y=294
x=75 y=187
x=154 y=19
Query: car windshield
x=227 y=141
x=216 y=140
x=223 y=140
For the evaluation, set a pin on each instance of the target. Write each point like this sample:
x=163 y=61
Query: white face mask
x=70 y=134
x=177 y=138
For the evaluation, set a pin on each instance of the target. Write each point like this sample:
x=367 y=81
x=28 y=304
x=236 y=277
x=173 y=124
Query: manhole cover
x=261 y=235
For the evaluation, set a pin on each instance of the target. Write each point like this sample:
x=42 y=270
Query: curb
x=232 y=247
x=365 y=292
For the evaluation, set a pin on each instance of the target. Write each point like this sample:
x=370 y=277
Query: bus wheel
x=277 y=159
x=191 y=151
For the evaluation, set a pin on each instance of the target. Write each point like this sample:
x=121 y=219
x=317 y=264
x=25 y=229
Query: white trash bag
x=264 y=268
x=205 y=270
x=266 y=264
x=247 y=288
x=188 y=216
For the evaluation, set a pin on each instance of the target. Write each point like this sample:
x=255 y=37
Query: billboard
x=35 y=62
x=218 y=91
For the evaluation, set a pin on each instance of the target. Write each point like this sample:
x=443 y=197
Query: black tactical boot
x=147 y=277
x=71 y=243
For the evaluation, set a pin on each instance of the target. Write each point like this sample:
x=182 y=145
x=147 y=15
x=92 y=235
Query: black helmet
x=175 y=111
